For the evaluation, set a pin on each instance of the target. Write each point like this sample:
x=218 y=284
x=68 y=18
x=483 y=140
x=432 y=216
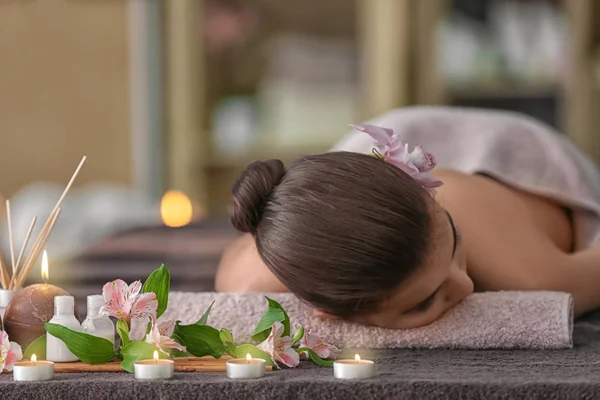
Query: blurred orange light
x=176 y=209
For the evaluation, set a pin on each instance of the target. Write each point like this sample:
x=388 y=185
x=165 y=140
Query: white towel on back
x=513 y=148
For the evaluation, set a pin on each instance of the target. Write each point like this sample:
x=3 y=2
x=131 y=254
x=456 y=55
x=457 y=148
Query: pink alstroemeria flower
x=126 y=302
x=160 y=336
x=10 y=352
x=280 y=347
x=138 y=328
x=417 y=163
x=318 y=345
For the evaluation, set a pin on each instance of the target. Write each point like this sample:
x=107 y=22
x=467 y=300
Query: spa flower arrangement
x=10 y=352
x=145 y=333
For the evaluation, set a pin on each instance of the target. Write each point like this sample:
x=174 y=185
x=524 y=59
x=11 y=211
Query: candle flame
x=155 y=355
x=33 y=358
x=176 y=209
x=45 y=274
x=357 y=357
x=248 y=356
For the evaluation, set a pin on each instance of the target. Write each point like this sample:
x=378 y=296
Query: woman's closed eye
x=425 y=304
x=458 y=237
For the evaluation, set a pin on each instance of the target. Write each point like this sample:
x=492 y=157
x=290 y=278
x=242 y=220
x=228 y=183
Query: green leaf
x=274 y=313
x=227 y=339
x=298 y=335
x=123 y=331
x=286 y=319
x=319 y=361
x=138 y=350
x=226 y=336
x=315 y=358
x=255 y=352
x=159 y=283
x=89 y=349
x=204 y=319
x=37 y=347
x=199 y=340
x=230 y=349
x=262 y=330
x=175 y=353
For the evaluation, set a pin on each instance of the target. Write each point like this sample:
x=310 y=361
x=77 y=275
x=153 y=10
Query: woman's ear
x=323 y=315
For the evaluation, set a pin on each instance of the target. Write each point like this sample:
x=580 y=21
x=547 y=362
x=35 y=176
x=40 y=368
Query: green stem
x=298 y=335
x=315 y=358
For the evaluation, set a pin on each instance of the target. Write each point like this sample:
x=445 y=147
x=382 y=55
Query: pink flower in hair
x=417 y=163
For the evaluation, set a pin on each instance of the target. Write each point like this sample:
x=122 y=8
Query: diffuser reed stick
x=27 y=237
x=35 y=252
x=10 y=237
x=20 y=272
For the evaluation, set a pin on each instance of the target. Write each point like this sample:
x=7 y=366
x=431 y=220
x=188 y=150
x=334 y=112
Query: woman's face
x=434 y=288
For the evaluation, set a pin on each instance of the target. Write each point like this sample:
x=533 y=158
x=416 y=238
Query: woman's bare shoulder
x=508 y=234
x=473 y=195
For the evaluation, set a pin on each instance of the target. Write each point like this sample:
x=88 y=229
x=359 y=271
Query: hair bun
x=251 y=191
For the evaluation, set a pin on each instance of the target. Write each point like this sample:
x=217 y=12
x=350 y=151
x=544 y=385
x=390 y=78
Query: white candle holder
x=353 y=369
x=154 y=369
x=246 y=368
x=27 y=371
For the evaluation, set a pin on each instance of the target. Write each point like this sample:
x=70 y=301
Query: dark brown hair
x=340 y=230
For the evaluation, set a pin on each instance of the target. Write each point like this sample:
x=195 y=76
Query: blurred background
x=179 y=95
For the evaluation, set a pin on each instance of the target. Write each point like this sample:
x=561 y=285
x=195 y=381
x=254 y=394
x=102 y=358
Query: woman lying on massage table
x=377 y=239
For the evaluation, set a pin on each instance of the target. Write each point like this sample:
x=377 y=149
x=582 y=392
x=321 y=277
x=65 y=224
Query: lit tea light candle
x=246 y=368
x=33 y=370
x=154 y=369
x=354 y=369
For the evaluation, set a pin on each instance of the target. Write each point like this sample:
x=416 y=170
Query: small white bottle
x=97 y=325
x=64 y=314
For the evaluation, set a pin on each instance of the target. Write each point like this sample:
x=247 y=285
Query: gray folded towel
x=492 y=320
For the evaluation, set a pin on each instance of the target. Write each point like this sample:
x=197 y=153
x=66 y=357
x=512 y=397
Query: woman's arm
x=242 y=270
x=578 y=274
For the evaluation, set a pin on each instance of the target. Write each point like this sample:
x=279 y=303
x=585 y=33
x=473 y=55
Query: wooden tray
x=189 y=364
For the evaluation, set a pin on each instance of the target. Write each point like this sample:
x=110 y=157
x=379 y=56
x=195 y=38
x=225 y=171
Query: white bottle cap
x=94 y=303
x=64 y=305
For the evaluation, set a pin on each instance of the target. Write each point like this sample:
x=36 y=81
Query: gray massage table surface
x=402 y=374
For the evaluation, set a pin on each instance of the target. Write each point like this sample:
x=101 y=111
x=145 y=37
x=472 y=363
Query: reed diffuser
x=12 y=279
